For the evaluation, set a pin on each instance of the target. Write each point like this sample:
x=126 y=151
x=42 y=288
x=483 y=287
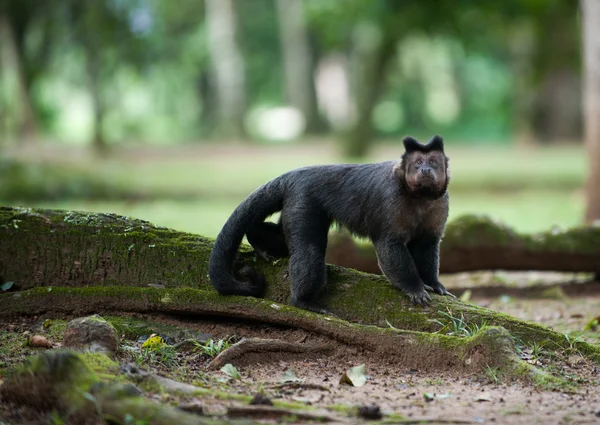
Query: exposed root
x=260 y=345
x=301 y=385
x=268 y=412
x=429 y=421
x=420 y=350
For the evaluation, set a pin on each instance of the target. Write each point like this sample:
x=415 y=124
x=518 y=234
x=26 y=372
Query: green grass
x=527 y=211
x=529 y=190
x=240 y=173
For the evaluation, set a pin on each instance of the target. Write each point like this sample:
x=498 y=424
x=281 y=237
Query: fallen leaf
x=354 y=376
x=483 y=397
x=154 y=341
x=6 y=286
x=231 y=371
x=39 y=341
x=428 y=396
x=289 y=376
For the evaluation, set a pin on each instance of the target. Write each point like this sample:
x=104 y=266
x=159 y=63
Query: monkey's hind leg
x=268 y=240
x=307 y=239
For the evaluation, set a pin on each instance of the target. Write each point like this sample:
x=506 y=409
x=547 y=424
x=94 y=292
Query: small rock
x=597 y=413
x=370 y=412
x=262 y=400
x=483 y=397
x=39 y=341
x=93 y=334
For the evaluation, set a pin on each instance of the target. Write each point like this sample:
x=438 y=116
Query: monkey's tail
x=263 y=202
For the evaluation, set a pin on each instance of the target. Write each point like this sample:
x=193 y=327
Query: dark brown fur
x=401 y=206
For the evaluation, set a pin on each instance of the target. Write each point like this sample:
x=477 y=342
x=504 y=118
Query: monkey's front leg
x=397 y=264
x=425 y=252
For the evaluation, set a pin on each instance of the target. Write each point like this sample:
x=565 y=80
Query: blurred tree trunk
x=87 y=17
x=227 y=65
x=297 y=62
x=14 y=43
x=369 y=64
x=559 y=106
x=556 y=62
x=93 y=71
x=591 y=91
x=521 y=45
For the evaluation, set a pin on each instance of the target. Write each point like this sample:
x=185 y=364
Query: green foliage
x=457 y=325
x=146 y=64
x=212 y=348
x=231 y=371
x=48 y=182
x=158 y=355
x=494 y=374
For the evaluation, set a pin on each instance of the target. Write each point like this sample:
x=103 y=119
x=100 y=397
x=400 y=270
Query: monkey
x=400 y=205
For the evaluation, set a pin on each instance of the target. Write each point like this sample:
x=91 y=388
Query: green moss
x=55 y=329
x=392 y=310
x=101 y=365
x=542 y=379
x=133 y=328
x=478 y=230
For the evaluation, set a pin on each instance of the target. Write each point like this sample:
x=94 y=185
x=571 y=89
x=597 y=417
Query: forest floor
x=403 y=395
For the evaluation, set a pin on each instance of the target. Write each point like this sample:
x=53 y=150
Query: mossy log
x=474 y=243
x=83 y=262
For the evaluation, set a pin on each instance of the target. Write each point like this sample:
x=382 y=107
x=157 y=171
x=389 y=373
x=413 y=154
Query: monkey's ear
x=411 y=144
x=436 y=143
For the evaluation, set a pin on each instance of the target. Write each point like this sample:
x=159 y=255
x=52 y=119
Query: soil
x=440 y=397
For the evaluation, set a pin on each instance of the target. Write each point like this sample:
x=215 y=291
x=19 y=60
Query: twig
x=409 y=421
x=302 y=385
x=260 y=345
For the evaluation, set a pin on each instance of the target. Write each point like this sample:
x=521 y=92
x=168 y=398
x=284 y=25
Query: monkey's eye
x=431 y=162
x=419 y=162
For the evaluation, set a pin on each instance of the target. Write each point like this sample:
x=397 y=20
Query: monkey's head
x=423 y=169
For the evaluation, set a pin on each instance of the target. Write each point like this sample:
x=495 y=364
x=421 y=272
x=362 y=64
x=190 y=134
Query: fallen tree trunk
x=82 y=262
x=474 y=243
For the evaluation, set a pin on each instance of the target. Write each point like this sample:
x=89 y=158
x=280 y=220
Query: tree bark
x=297 y=61
x=476 y=243
x=591 y=91
x=28 y=126
x=65 y=261
x=227 y=65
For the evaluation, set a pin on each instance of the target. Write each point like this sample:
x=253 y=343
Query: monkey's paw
x=420 y=297
x=438 y=288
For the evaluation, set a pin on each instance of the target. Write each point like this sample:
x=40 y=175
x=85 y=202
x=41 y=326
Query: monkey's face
x=425 y=173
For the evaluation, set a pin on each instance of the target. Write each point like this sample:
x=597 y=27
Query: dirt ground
x=417 y=396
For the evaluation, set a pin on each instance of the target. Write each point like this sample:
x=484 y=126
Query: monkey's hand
x=420 y=297
x=438 y=288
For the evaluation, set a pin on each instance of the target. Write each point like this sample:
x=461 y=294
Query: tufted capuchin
x=402 y=206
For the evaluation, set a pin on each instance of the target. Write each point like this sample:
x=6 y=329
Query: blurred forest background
x=174 y=111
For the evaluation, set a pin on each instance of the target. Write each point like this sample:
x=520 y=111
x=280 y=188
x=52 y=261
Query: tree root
x=488 y=346
x=474 y=243
x=399 y=344
x=260 y=345
x=274 y=413
x=301 y=385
